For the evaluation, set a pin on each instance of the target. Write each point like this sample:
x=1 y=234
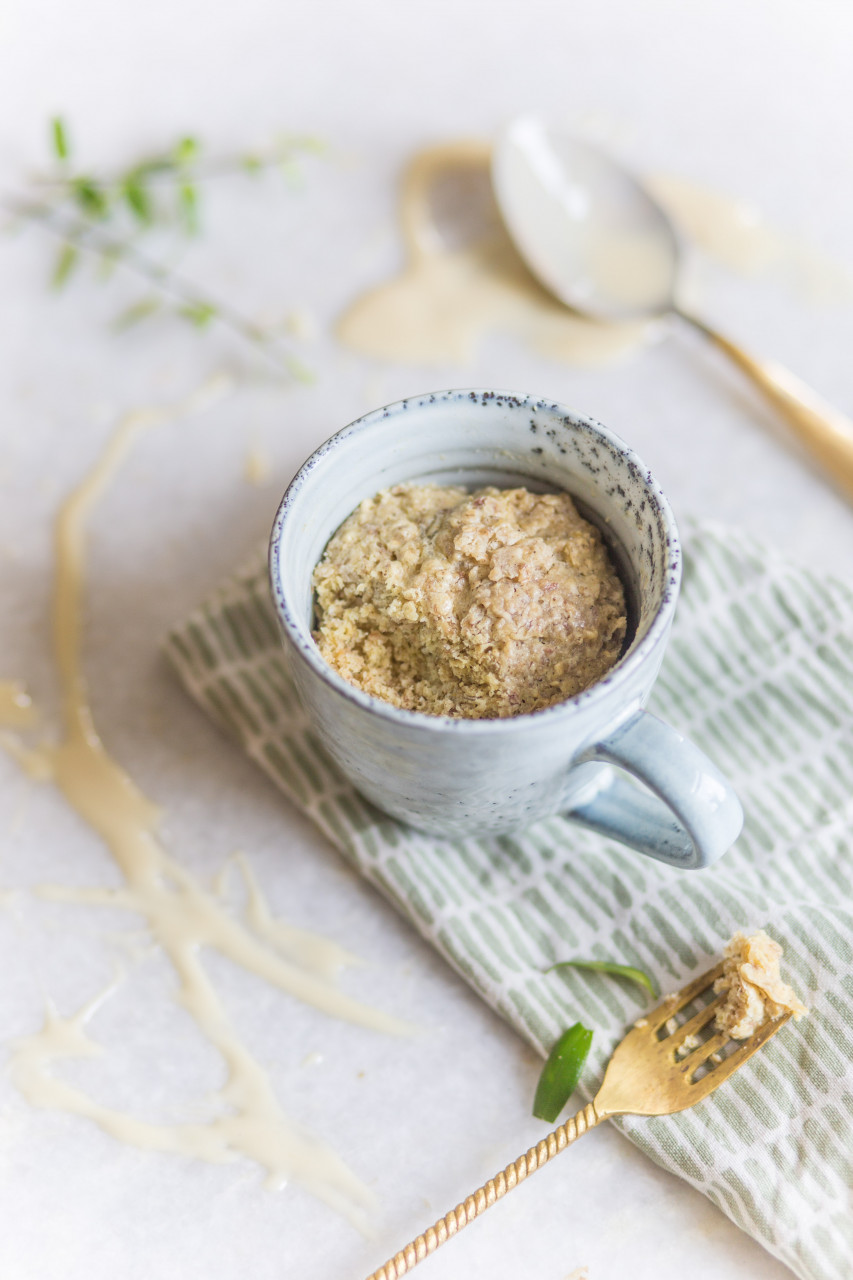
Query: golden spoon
x=648 y=1075
x=594 y=237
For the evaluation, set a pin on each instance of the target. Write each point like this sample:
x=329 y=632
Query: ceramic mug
x=456 y=777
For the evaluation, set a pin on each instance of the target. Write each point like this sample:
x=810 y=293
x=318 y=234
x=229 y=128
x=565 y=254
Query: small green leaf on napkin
x=561 y=1072
x=605 y=966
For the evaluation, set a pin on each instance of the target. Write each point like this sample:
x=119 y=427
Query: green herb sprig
x=107 y=218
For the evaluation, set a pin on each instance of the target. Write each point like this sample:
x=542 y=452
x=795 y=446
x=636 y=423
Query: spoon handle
x=822 y=430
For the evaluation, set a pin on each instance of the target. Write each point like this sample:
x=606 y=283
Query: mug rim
x=599 y=692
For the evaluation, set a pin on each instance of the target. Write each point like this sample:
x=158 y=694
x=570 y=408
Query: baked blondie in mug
x=457 y=777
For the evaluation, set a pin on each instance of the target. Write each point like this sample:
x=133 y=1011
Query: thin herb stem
x=161 y=171
x=189 y=299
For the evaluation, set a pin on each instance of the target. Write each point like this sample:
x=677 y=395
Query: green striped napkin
x=759 y=673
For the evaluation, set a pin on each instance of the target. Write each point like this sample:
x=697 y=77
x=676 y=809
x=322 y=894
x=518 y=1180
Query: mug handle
x=692 y=816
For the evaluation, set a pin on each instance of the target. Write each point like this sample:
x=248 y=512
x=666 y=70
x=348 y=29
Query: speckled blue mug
x=457 y=777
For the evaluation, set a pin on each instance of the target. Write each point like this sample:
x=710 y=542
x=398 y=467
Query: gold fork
x=648 y=1075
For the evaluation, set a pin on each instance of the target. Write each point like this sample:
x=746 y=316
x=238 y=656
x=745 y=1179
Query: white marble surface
x=754 y=97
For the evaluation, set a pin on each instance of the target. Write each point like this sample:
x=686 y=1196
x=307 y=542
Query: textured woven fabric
x=759 y=673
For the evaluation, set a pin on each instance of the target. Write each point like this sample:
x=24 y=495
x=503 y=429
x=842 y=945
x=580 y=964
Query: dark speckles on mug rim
x=606 y=450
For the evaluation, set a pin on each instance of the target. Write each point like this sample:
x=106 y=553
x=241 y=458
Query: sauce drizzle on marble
x=183 y=917
x=450 y=295
x=463 y=279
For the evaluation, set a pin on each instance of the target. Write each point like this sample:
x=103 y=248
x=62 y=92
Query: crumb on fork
x=753 y=987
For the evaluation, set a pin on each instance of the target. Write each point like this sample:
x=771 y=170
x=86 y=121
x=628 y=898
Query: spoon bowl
x=597 y=240
x=585 y=227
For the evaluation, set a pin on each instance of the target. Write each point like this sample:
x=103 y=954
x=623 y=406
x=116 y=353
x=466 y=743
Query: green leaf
x=605 y=966
x=188 y=207
x=59 y=137
x=561 y=1072
x=138 y=199
x=253 y=164
x=300 y=371
x=185 y=151
x=66 y=261
x=153 y=165
x=290 y=170
x=91 y=198
x=198 y=313
x=288 y=143
x=108 y=259
x=310 y=144
x=135 y=314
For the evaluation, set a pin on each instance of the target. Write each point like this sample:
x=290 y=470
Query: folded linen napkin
x=759 y=673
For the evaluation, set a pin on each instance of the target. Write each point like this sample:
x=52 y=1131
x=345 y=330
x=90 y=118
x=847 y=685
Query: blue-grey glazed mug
x=457 y=777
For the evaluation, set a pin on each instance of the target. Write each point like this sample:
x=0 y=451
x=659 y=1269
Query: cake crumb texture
x=478 y=605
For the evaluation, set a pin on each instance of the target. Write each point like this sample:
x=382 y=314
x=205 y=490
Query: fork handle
x=487 y=1195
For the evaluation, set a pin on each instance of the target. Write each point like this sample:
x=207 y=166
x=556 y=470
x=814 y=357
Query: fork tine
x=682 y=998
x=694 y=1059
x=730 y=1064
x=698 y=1021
